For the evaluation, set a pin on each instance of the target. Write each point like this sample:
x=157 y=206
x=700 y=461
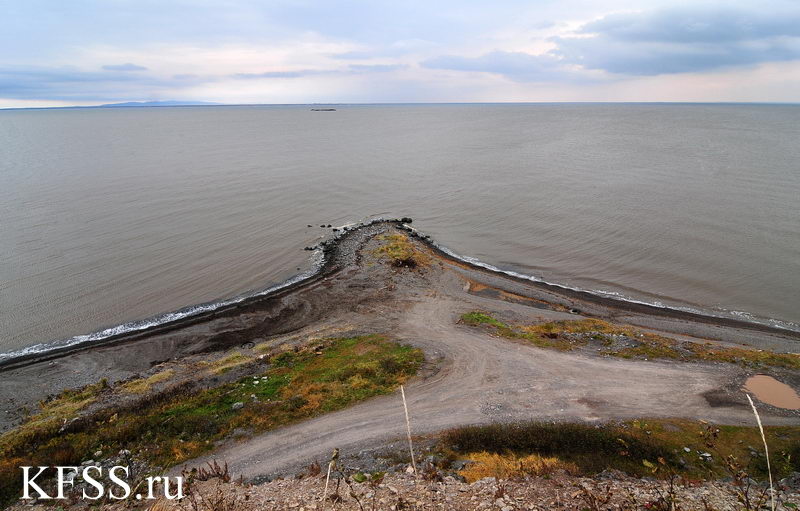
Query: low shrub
x=511 y=466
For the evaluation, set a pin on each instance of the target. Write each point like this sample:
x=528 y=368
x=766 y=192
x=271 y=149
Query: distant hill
x=155 y=103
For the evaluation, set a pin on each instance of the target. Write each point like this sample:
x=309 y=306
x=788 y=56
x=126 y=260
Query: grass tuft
x=511 y=466
x=228 y=362
x=142 y=385
x=400 y=251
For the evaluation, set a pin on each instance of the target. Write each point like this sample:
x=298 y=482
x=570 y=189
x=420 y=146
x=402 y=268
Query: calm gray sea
x=113 y=215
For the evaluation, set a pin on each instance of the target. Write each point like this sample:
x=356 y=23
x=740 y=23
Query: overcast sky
x=83 y=52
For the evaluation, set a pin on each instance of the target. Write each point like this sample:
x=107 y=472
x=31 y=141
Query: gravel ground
x=407 y=492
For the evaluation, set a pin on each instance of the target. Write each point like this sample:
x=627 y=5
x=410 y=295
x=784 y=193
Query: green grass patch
x=633 y=447
x=187 y=424
x=536 y=338
x=481 y=318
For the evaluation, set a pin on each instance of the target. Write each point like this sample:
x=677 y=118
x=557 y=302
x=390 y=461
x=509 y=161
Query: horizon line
x=154 y=104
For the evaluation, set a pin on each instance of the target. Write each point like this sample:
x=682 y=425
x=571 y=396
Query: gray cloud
x=696 y=25
x=117 y=83
x=518 y=66
x=124 y=67
x=650 y=43
x=280 y=74
x=683 y=40
x=375 y=68
x=66 y=83
x=351 y=69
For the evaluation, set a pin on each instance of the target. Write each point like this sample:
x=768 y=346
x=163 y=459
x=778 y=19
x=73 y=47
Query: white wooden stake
x=766 y=451
x=327 y=479
x=408 y=430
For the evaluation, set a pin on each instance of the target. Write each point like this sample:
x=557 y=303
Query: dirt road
x=481 y=378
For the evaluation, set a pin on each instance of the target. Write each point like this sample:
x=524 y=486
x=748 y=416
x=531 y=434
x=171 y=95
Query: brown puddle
x=771 y=391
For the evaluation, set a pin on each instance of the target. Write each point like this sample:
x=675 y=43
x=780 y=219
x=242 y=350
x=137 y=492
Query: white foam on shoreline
x=714 y=313
x=317 y=262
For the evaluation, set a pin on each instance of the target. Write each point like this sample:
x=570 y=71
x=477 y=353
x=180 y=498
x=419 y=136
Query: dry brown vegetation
x=634 y=447
x=571 y=334
x=512 y=466
x=400 y=251
x=142 y=385
x=229 y=362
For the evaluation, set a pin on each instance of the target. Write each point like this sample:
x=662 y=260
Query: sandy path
x=483 y=378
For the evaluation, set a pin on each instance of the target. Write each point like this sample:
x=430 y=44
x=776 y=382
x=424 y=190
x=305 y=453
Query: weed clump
x=229 y=362
x=142 y=385
x=511 y=466
x=400 y=251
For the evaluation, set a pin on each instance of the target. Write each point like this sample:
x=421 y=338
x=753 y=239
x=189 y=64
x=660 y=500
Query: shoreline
x=496 y=350
x=329 y=251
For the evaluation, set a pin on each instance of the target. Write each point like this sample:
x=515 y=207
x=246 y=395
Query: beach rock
x=406 y=220
x=791 y=481
x=70 y=476
x=610 y=474
x=460 y=464
x=237 y=405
